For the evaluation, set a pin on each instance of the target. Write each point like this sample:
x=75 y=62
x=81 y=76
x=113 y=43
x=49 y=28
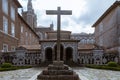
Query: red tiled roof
x=85 y=46
x=32 y=47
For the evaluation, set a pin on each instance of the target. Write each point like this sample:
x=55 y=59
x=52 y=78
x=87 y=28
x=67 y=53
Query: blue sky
x=84 y=13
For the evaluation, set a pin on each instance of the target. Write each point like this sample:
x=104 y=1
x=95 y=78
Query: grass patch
x=105 y=67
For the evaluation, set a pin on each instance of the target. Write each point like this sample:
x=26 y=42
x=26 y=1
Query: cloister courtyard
x=84 y=74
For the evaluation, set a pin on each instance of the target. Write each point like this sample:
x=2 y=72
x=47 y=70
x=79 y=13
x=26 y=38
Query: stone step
x=58 y=77
x=57 y=67
x=56 y=72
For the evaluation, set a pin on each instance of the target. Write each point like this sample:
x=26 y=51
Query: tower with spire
x=29 y=15
x=29 y=5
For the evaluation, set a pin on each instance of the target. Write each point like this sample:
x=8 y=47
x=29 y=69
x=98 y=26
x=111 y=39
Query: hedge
x=112 y=64
x=6 y=65
x=104 y=67
x=15 y=68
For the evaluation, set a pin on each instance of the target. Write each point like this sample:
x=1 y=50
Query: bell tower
x=29 y=5
x=29 y=15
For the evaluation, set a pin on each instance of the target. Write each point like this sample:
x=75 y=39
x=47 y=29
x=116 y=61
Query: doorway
x=48 y=54
x=69 y=53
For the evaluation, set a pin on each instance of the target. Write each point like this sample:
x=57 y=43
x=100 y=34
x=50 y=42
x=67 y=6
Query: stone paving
x=96 y=74
x=84 y=73
x=23 y=74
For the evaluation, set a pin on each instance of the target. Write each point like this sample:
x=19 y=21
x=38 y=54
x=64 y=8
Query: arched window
x=83 y=41
x=87 y=41
x=92 y=41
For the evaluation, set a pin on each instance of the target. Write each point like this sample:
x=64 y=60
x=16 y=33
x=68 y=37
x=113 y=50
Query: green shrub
x=7 y=69
x=106 y=67
x=15 y=68
x=112 y=64
x=6 y=65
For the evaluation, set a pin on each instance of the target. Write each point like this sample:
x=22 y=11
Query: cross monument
x=59 y=70
x=58 y=12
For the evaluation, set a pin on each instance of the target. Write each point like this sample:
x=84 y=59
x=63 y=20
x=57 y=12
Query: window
x=29 y=38
x=83 y=41
x=5 y=6
x=13 y=30
x=100 y=41
x=5 y=25
x=92 y=41
x=5 y=47
x=12 y=13
x=26 y=34
x=30 y=35
x=26 y=38
x=21 y=29
x=40 y=35
x=87 y=41
x=101 y=27
x=13 y=48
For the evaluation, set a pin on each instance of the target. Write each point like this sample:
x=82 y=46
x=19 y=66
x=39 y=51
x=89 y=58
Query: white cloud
x=84 y=13
x=77 y=28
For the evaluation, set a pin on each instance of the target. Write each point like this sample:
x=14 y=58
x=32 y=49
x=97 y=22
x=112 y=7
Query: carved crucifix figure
x=58 y=12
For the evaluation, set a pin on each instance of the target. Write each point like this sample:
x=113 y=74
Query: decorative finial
x=29 y=5
x=51 y=25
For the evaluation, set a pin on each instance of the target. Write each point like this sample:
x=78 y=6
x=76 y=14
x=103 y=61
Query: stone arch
x=36 y=62
x=87 y=41
x=61 y=51
x=48 y=54
x=69 y=53
x=28 y=61
x=82 y=60
x=25 y=61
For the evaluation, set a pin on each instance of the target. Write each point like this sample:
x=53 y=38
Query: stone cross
x=58 y=12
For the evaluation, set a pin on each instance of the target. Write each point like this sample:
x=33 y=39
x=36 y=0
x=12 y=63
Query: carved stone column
x=53 y=54
x=64 y=54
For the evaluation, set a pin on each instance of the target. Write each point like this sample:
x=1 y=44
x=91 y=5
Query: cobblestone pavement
x=84 y=73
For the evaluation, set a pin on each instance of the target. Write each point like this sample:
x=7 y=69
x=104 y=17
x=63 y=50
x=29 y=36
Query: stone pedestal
x=58 y=71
